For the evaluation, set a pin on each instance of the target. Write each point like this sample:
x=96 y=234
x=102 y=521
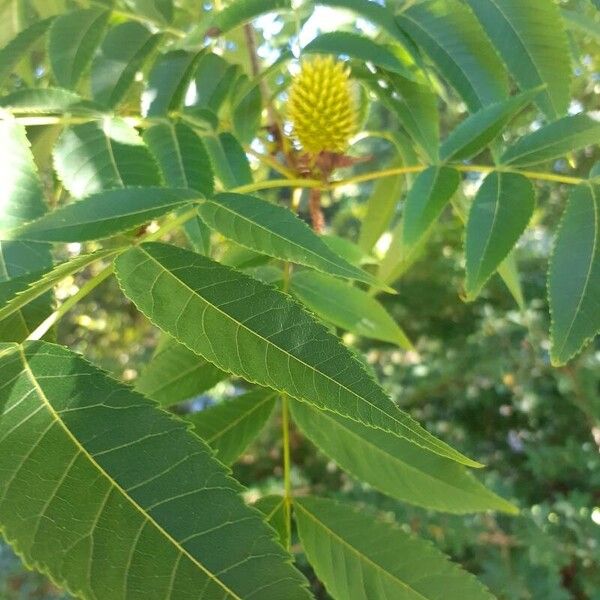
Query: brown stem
x=255 y=66
x=316 y=214
x=251 y=44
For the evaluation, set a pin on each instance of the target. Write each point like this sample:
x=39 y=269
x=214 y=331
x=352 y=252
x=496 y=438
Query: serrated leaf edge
x=553 y=358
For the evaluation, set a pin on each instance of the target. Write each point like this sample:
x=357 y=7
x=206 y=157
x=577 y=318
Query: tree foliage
x=145 y=140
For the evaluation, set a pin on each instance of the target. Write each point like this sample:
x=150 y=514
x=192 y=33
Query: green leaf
x=168 y=82
x=160 y=11
x=531 y=39
x=185 y=163
x=46 y=101
x=43 y=139
x=458 y=46
x=406 y=152
x=20 y=46
x=22 y=200
x=11 y=18
x=46 y=279
x=275 y=231
x=241 y=11
x=198 y=235
x=104 y=214
x=381 y=207
x=20 y=187
x=400 y=256
x=9 y=288
x=20 y=258
x=72 y=41
x=102 y=155
x=358 y=47
x=213 y=77
x=19 y=325
x=509 y=273
x=479 y=129
x=347 y=307
x=246 y=110
x=426 y=199
x=47 y=8
x=250 y=329
x=348 y=250
x=229 y=160
x=574 y=275
x=231 y=425
x=553 y=141
x=203 y=120
x=394 y=466
x=499 y=215
x=413 y=103
x=122 y=54
x=182 y=156
x=103 y=468
x=379 y=560
x=372 y=11
x=242 y=258
x=175 y=374
x=581 y=23
x=508 y=267
x=273 y=507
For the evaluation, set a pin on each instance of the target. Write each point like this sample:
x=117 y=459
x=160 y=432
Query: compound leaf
x=242 y=11
x=413 y=102
x=356 y=46
x=574 y=275
x=43 y=281
x=182 y=156
x=274 y=230
x=21 y=189
x=499 y=215
x=394 y=466
x=104 y=214
x=20 y=46
x=168 y=82
x=482 y=127
x=250 y=329
x=530 y=36
x=122 y=54
x=46 y=101
x=22 y=200
x=274 y=509
x=230 y=426
x=381 y=207
x=175 y=373
x=426 y=199
x=103 y=468
x=456 y=43
x=102 y=155
x=228 y=159
x=160 y=11
x=553 y=141
x=347 y=307
x=72 y=41
x=380 y=560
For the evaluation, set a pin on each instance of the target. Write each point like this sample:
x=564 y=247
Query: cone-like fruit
x=321 y=107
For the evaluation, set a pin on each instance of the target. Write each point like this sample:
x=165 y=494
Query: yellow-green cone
x=321 y=107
